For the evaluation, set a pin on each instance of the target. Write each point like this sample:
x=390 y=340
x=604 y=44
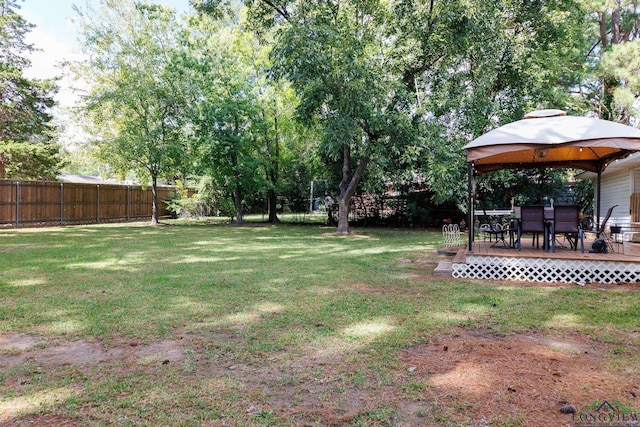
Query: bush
x=203 y=201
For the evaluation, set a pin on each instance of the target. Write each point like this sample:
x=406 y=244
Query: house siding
x=616 y=190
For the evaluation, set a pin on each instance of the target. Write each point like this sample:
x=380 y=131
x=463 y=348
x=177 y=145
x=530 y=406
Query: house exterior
x=620 y=185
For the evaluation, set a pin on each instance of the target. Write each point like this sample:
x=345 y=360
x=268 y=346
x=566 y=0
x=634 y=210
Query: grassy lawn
x=201 y=324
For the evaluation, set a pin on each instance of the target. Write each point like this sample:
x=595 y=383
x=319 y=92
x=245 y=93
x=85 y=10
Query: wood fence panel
x=38 y=202
x=140 y=203
x=7 y=203
x=32 y=203
x=113 y=203
x=80 y=203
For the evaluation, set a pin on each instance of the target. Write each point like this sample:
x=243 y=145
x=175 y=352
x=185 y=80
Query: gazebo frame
x=549 y=139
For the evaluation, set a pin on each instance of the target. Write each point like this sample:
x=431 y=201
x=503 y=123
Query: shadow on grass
x=257 y=326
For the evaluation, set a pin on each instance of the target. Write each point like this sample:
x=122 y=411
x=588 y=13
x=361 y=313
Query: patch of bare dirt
x=519 y=379
x=19 y=348
x=18 y=342
x=48 y=420
x=16 y=349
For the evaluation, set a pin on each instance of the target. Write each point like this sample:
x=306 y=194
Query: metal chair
x=566 y=220
x=601 y=231
x=496 y=230
x=491 y=229
x=531 y=221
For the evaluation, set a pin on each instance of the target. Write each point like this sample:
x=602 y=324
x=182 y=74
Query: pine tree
x=26 y=148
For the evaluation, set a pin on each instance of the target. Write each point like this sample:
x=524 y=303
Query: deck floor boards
x=626 y=252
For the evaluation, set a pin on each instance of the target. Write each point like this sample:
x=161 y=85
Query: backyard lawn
x=202 y=324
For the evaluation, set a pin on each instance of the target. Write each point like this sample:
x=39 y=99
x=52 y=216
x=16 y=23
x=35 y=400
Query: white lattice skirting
x=546 y=270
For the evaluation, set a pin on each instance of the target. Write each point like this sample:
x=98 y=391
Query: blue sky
x=52 y=15
x=56 y=36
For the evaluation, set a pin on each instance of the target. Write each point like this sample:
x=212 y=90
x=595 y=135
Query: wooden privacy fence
x=39 y=203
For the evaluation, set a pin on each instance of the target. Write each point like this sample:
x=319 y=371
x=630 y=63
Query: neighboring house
x=86 y=179
x=620 y=185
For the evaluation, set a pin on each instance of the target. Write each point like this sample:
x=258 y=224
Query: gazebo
x=549 y=139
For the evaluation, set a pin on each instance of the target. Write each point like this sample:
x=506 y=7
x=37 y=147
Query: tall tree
x=337 y=57
x=373 y=73
x=26 y=131
x=136 y=98
x=482 y=64
x=222 y=65
x=613 y=56
x=277 y=102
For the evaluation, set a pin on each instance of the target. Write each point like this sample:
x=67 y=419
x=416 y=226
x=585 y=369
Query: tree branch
x=282 y=12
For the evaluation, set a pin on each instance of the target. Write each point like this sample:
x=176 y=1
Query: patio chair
x=531 y=221
x=496 y=230
x=602 y=233
x=566 y=220
x=491 y=229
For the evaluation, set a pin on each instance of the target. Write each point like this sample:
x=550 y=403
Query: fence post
x=98 y=203
x=17 y=204
x=128 y=202
x=61 y=203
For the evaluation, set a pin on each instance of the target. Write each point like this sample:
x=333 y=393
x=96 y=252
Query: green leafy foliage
x=610 y=86
x=196 y=199
x=26 y=148
x=339 y=62
x=486 y=64
x=135 y=104
x=28 y=161
x=385 y=93
x=622 y=62
x=223 y=66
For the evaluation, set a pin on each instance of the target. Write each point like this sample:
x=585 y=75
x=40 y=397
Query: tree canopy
x=136 y=100
x=256 y=94
x=27 y=150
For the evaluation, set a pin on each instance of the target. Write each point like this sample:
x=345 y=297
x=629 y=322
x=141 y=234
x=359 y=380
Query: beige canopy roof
x=550 y=139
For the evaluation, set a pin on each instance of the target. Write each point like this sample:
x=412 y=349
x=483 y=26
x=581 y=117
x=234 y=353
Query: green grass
x=268 y=319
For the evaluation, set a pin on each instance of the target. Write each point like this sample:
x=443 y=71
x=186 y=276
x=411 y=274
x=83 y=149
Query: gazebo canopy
x=551 y=139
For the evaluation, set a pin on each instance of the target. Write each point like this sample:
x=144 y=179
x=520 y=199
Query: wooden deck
x=490 y=261
x=625 y=252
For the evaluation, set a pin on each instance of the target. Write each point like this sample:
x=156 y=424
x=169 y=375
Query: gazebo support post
x=471 y=185
x=598 y=188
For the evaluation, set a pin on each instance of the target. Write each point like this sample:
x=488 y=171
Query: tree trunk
x=604 y=40
x=272 y=172
x=348 y=188
x=154 y=201
x=272 y=206
x=237 y=199
x=615 y=26
x=237 y=191
x=343 y=216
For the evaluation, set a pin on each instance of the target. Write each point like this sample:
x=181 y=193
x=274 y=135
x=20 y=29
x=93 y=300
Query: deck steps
x=444 y=269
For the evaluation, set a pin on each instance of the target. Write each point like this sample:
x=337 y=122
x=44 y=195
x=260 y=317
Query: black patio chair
x=496 y=230
x=566 y=221
x=493 y=229
x=602 y=233
x=531 y=221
